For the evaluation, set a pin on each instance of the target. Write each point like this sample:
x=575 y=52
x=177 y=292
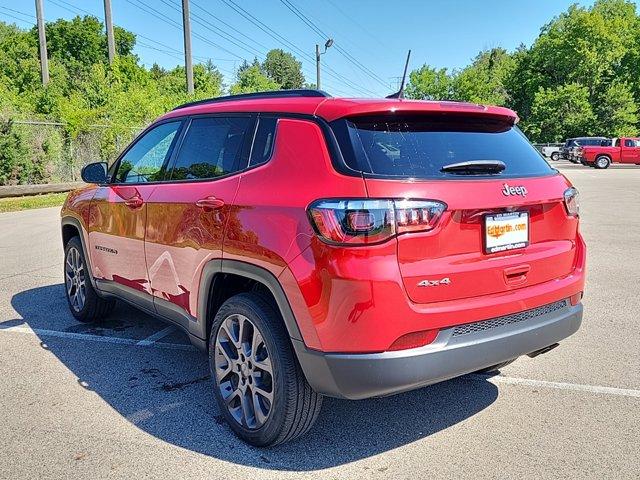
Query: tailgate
x=452 y=261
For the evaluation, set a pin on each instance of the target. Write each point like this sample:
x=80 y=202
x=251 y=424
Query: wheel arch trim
x=77 y=224
x=253 y=272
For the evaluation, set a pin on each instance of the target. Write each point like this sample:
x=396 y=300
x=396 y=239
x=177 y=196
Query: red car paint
x=344 y=298
x=624 y=150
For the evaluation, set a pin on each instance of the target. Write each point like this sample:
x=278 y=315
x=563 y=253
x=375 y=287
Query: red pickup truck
x=623 y=150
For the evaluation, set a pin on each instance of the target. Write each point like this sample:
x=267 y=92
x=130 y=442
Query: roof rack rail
x=248 y=96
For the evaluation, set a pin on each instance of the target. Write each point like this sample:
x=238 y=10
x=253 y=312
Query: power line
x=218 y=31
x=341 y=50
x=279 y=38
x=358 y=24
x=161 y=16
x=164 y=45
x=29 y=15
x=16 y=18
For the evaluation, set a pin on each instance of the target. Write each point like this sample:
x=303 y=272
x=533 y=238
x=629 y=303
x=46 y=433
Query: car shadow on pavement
x=167 y=393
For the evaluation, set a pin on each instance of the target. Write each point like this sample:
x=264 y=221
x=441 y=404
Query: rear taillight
x=367 y=221
x=572 y=201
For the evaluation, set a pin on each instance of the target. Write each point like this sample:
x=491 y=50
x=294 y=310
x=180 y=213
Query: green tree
x=284 y=69
x=483 y=80
x=251 y=80
x=617 y=111
x=428 y=83
x=585 y=46
x=81 y=42
x=559 y=113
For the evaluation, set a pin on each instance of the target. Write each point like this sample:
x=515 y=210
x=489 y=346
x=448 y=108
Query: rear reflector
x=575 y=298
x=414 y=340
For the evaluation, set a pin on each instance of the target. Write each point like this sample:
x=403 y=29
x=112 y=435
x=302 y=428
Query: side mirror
x=94 y=172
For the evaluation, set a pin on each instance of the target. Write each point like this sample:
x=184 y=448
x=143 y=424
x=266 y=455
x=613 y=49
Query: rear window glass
x=418 y=147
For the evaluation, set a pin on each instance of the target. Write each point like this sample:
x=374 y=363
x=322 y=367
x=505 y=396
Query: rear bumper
x=456 y=351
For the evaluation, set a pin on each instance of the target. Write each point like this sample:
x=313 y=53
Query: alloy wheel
x=74 y=276
x=244 y=372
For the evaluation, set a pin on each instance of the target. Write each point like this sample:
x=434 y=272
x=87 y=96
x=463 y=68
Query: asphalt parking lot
x=131 y=398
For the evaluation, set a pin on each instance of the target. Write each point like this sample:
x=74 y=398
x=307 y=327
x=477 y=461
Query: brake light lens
x=572 y=201
x=368 y=221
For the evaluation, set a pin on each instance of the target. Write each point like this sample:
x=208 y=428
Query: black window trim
x=177 y=144
x=172 y=149
x=244 y=155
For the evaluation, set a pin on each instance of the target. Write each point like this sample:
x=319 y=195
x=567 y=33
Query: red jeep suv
x=327 y=246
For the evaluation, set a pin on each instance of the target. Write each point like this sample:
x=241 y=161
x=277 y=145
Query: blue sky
x=371 y=37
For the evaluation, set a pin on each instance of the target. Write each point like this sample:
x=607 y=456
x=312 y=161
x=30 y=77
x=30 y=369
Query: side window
x=629 y=143
x=144 y=161
x=263 y=141
x=211 y=148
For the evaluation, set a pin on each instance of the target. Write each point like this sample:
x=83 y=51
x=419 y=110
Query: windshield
x=419 y=147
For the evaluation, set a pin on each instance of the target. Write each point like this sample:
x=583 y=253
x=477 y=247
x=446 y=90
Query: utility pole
x=317 y=66
x=109 y=24
x=186 y=28
x=44 y=63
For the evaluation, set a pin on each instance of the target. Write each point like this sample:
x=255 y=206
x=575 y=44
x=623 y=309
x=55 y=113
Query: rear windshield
x=418 y=147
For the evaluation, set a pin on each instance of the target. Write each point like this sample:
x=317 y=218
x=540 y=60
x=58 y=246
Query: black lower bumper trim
x=358 y=376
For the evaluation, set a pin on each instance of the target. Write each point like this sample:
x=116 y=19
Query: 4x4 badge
x=434 y=283
x=519 y=190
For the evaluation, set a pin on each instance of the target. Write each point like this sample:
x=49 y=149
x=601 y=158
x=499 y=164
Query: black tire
x=295 y=406
x=602 y=162
x=555 y=156
x=94 y=307
x=496 y=368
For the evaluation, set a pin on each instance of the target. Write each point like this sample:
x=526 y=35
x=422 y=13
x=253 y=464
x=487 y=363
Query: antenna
x=400 y=93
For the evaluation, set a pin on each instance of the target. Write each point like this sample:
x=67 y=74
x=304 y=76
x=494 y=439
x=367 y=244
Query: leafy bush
x=15 y=166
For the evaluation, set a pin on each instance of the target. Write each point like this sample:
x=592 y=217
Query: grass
x=14 y=204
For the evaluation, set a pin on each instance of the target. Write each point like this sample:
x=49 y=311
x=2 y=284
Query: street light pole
x=317 y=66
x=327 y=44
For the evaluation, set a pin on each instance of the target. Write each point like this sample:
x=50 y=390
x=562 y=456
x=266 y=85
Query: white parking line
x=156 y=336
x=152 y=342
x=96 y=338
x=575 y=387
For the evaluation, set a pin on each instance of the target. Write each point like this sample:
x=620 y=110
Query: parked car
x=624 y=150
x=320 y=246
x=552 y=151
x=570 y=149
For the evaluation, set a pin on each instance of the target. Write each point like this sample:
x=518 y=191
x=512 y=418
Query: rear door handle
x=134 y=202
x=209 y=203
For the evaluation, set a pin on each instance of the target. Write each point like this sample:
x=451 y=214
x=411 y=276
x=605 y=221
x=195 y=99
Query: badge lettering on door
x=434 y=283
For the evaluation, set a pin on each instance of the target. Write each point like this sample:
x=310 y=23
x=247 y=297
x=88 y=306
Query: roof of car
x=317 y=103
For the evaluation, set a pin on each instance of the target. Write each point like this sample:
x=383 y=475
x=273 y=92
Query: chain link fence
x=44 y=152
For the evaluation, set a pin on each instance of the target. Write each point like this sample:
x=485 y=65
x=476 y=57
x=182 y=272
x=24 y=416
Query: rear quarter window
x=419 y=146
